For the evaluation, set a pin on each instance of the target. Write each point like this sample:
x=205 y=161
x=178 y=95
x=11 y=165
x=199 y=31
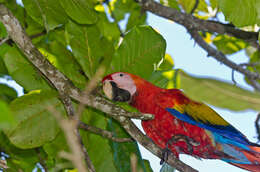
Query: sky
x=193 y=59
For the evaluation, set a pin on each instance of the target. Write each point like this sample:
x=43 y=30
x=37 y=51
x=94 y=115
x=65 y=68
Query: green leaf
x=48 y=13
x=35 y=124
x=123 y=151
x=121 y=8
x=23 y=72
x=98 y=147
x=82 y=11
x=228 y=45
x=7 y=93
x=141 y=49
x=167 y=63
x=18 y=158
x=241 y=12
x=188 y=5
x=3 y=32
x=6 y=118
x=86 y=44
x=137 y=18
x=64 y=61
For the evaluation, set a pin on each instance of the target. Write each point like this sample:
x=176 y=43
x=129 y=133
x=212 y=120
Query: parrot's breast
x=164 y=126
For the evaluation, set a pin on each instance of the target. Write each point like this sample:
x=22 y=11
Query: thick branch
x=190 y=22
x=61 y=83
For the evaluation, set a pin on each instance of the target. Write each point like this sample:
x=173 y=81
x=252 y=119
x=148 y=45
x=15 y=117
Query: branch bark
x=190 y=22
x=63 y=84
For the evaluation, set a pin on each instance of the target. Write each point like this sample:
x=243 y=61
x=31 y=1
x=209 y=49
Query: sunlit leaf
x=188 y=5
x=6 y=118
x=140 y=51
x=241 y=12
x=167 y=63
x=35 y=124
x=228 y=45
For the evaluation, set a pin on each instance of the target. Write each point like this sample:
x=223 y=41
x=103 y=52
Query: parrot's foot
x=165 y=153
x=189 y=141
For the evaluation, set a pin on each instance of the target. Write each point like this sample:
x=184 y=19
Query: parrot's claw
x=165 y=153
x=189 y=141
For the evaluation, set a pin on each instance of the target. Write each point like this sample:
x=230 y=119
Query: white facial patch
x=124 y=81
x=107 y=88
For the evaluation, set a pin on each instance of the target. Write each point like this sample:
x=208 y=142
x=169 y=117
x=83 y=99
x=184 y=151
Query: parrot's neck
x=143 y=100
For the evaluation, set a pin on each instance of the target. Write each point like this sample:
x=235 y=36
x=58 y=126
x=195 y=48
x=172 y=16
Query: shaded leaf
x=228 y=45
x=82 y=11
x=141 y=49
x=48 y=13
x=6 y=118
x=137 y=17
x=98 y=148
x=85 y=44
x=123 y=151
x=23 y=72
x=243 y=13
x=35 y=124
x=7 y=93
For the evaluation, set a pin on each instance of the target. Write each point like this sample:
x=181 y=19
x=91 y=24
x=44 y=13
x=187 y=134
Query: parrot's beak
x=113 y=92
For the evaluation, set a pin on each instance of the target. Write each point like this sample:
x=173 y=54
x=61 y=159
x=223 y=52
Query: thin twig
x=195 y=6
x=219 y=56
x=257 y=127
x=69 y=126
x=42 y=161
x=103 y=133
x=3 y=164
x=4 y=40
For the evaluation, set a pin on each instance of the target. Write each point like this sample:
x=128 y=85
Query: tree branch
x=219 y=56
x=190 y=22
x=63 y=84
x=103 y=133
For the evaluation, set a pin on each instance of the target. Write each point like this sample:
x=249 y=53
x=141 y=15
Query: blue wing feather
x=222 y=134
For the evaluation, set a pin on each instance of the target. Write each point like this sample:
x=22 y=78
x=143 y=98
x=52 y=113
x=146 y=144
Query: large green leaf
x=140 y=51
x=123 y=151
x=211 y=91
x=86 y=46
x=81 y=11
x=35 y=124
x=23 y=72
x=48 y=13
x=98 y=148
x=7 y=93
x=228 y=45
x=241 y=12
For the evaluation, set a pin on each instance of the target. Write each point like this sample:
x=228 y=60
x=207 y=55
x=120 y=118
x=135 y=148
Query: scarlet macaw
x=182 y=125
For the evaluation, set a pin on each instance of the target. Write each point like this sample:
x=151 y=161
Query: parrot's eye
x=121 y=74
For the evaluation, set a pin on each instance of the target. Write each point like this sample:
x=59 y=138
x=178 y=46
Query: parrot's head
x=120 y=86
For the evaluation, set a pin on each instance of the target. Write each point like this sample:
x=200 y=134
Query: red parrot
x=182 y=125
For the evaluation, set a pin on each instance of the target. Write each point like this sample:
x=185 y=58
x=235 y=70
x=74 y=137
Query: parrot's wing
x=202 y=116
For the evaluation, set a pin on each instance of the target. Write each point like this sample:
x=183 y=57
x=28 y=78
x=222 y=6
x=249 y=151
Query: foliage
x=77 y=37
